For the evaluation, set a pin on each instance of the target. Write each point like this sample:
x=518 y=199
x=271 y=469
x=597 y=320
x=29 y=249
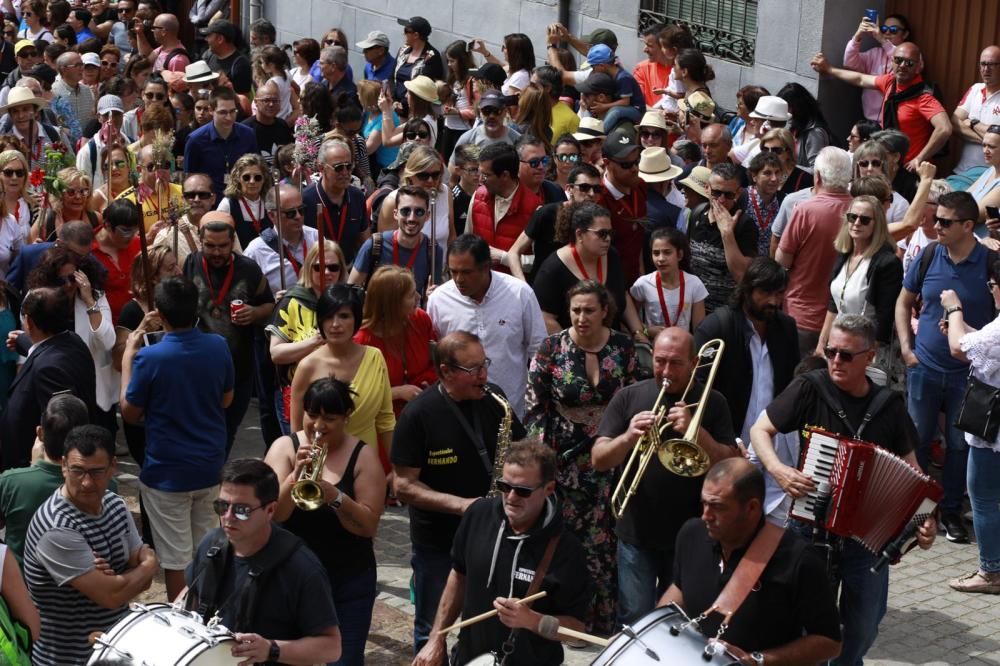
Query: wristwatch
x=274 y=654
x=758 y=658
x=338 y=500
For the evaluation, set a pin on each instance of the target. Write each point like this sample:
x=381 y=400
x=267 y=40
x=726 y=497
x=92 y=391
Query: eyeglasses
x=903 y=62
x=27 y=14
x=538 y=162
x=330 y=268
x=153 y=166
x=199 y=194
x=125 y=10
x=647 y=134
x=520 y=491
x=490 y=110
x=574 y=157
x=266 y=100
x=864 y=164
x=95 y=473
x=108 y=63
x=407 y=211
x=603 y=234
x=10 y=33
x=890 y=29
x=14 y=173
x=255 y=177
x=339 y=167
x=944 y=222
x=292 y=213
x=474 y=370
x=26 y=53
x=77 y=191
x=863 y=220
x=413 y=136
x=722 y=194
x=427 y=175
x=989 y=65
x=846 y=356
x=587 y=188
x=631 y=164
x=240 y=511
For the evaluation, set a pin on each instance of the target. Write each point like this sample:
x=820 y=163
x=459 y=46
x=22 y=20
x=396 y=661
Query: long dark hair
x=459 y=52
x=46 y=273
x=803 y=107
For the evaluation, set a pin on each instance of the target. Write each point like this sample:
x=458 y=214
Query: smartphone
x=992 y=213
x=871 y=15
x=152 y=338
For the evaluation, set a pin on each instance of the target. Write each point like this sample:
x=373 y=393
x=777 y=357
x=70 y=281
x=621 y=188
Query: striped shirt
x=61 y=545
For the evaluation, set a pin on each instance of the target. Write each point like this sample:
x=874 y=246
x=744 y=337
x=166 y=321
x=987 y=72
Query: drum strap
x=507 y=648
x=747 y=573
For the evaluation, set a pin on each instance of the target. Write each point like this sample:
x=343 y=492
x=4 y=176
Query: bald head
x=169 y=24
x=746 y=479
x=908 y=62
x=675 y=337
x=989 y=67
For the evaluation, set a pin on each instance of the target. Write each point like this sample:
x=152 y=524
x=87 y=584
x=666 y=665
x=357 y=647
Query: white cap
x=91 y=59
x=109 y=103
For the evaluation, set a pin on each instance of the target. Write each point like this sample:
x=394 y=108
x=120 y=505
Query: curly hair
x=235 y=187
x=46 y=273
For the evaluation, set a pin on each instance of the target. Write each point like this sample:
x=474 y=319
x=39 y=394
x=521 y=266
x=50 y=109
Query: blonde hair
x=844 y=244
x=235 y=187
x=420 y=159
x=157 y=256
x=868 y=150
x=6 y=157
x=368 y=92
x=385 y=313
x=312 y=255
x=787 y=140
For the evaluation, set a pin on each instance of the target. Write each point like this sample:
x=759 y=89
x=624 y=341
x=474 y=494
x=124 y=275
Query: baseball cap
x=109 y=103
x=491 y=72
x=600 y=54
x=224 y=28
x=602 y=36
x=598 y=82
x=23 y=43
x=375 y=38
x=492 y=98
x=621 y=143
x=417 y=24
x=91 y=60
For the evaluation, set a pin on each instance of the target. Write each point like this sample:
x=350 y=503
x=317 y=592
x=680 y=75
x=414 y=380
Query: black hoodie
x=498 y=563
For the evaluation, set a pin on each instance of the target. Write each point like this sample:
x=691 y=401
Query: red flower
x=37 y=177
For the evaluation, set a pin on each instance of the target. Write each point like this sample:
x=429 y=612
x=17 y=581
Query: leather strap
x=543 y=566
x=747 y=572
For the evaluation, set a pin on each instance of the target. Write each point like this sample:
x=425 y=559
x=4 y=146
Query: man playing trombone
x=656 y=503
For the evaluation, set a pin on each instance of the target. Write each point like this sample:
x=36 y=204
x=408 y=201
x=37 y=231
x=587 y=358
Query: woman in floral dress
x=571 y=380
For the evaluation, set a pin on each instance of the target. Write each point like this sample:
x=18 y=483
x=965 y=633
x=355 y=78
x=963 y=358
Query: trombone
x=682 y=456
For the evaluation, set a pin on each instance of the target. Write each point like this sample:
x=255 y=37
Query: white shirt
x=100 y=343
x=912 y=247
x=850 y=292
x=270 y=263
x=644 y=290
x=519 y=79
x=13 y=234
x=508 y=322
x=776 y=501
x=985 y=108
x=442 y=218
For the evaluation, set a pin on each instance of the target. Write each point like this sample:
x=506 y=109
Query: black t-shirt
x=664 y=500
x=708 y=256
x=270 y=137
x=553 y=279
x=792 y=598
x=131 y=315
x=355 y=222
x=800 y=404
x=430 y=436
x=237 y=68
x=541 y=230
x=488 y=567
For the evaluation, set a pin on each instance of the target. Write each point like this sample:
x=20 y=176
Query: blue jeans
x=354 y=598
x=620 y=114
x=863 y=600
x=931 y=392
x=644 y=574
x=984 y=493
x=430 y=573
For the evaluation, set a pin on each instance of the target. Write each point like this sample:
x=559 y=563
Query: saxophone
x=503 y=438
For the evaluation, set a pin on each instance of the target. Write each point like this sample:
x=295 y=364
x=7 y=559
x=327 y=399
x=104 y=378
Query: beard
x=763 y=313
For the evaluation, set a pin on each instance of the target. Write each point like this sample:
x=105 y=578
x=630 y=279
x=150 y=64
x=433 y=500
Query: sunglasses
x=427 y=175
x=25 y=53
x=153 y=166
x=904 y=62
x=292 y=213
x=520 y=491
x=864 y=164
x=774 y=150
x=14 y=173
x=574 y=158
x=9 y=33
x=240 y=511
x=154 y=97
x=108 y=63
x=255 y=177
x=646 y=134
x=125 y=10
x=538 y=162
x=587 y=188
x=340 y=167
x=603 y=234
x=846 y=356
x=27 y=14
x=490 y=110
x=413 y=136
x=330 y=268
x=474 y=370
x=199 y=194
x=406 y=211
x=944 y=222
x=631 y=164
x=863 y=220
x=721 y=194
x=890 y=29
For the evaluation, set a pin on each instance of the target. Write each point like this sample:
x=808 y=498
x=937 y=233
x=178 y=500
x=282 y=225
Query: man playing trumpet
x=662 y=501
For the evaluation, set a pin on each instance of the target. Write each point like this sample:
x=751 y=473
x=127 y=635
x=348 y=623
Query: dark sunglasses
x=631 y=164
x=775 y=150
x=845 y=356
x=331 y=268
x=204 y=196
x=340 y=167
x=25 y=53
x=864 y=164
x=255 y=177
x=650 y=134
x=413 y=136
x=123 y=10
x=603 y=234
x=890 y=29
x=490 y=110
x=538 y=162
x=904 y=62
x=587 y=188
x=863 y=220
x=721 y=194
x=108 y=63
x=427 y=175
x=292 y=213
x=240 y=511
x=944 y=222
x=27 y=14
x=520 y=491
x=154 y=97
x=14 y=173
x=153 y=166
x=406 y=211
x=574 y=158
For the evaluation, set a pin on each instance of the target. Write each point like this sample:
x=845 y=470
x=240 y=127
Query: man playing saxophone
x=662 y=501
x=444 y=450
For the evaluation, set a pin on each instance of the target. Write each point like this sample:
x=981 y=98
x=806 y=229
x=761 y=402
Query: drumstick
x=487 y=614
x=596 y=640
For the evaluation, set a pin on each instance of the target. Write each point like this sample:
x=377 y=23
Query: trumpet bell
x=307 y=495
x=683 y=457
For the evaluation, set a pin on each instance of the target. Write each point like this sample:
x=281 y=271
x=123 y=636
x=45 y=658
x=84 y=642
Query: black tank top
x=342 y=552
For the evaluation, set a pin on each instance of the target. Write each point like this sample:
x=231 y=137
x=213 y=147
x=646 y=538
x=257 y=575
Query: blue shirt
x=384 y=72
x=420 y=268
x=185 y=420
x=968 y=279
x=83 y=34
x=384 y=156
x=318 y=76
x=629 y=87
x=207 y=152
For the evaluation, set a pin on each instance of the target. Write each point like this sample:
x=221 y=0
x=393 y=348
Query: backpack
x=925 y=262
x=180 y=50
x=821 y=382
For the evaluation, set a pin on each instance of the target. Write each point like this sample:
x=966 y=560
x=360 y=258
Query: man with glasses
x=979 y=108
x=441 y=472
x=84 y=560
x=343 y=206
x=26 y=55
x=185 y=422
x=804 y=247
x=68 y=85
x=272 y=132
x=75 y=235
x=286 y=614
x=908 y=102
x=407 y=246
x=170 y=55
x=296 y=239
x=935 y=379
x=200 y=199
x=493 y=128
x=516 y=526
x=158 y=193
x=624 y=196
x=535 y=163
x=118 y=36
x=214 y=147
x=841 y=399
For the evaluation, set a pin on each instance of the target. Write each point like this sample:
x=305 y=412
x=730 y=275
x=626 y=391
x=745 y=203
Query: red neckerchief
x=226 y=283
x=663 y=301
x=326 y=214
x=296 y=266
x=583 y=271
x=763 y=222
x=17 y=212
x=253 y=218
x=631 y=210
x=395 y=250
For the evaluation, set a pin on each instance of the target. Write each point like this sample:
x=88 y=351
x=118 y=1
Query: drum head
x=653 y=630
x=483 y=660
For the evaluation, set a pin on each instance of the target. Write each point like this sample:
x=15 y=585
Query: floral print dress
x=564 y=408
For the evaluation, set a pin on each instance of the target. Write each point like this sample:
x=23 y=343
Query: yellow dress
x=372 y=415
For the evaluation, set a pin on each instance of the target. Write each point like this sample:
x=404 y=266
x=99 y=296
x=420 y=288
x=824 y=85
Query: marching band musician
x=663 y=500
x=444 y=450
x=500 y=549
x=873 y=414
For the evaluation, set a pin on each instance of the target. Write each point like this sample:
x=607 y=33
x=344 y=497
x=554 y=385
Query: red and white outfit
x=656 y=298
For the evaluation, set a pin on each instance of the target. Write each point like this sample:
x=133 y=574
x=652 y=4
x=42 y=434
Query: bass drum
x=159 y=635
x=488 y=659
x=653 y=631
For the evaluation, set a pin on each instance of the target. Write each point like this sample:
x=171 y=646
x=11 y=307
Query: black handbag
x=979 y=414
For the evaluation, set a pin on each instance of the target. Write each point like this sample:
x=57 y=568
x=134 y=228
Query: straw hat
x=589 y=129
x=699 y=104
x=771 y=107
x=697 y=180
x=424 y=88
x=199 y=72
x=655 y=166
x=20 y=96
x=653 y=119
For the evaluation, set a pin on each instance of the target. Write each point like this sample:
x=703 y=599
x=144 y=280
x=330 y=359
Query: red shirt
x=626 y=222
x=914 y=115
x=419 y=368
x=118 y=285
x=651 y=76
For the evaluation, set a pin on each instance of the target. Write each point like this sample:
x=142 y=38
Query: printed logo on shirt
x=526 y=575
x=442 y=457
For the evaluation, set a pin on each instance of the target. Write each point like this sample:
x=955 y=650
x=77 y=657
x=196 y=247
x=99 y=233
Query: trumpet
x=307 y=493
x=682 y=456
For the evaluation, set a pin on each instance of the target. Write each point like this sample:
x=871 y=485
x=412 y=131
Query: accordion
x=865 y=493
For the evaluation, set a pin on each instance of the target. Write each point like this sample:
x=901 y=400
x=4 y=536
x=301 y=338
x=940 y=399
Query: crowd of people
x=531 y=253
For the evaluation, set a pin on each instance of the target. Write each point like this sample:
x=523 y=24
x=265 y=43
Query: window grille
x=725 y=29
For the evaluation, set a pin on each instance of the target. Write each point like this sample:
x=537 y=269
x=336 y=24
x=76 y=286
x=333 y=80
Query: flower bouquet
x=45 y=181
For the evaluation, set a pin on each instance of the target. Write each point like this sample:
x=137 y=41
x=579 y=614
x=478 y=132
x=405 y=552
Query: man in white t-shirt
x=979 y=108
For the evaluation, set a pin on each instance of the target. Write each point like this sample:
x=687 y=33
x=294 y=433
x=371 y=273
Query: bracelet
x=950 y=311
x=94 y=309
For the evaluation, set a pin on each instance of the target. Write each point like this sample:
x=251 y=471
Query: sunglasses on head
x=240 y=511
x=197 y=194
x=864 y=164
x=573 y=157
x=520 y=491
x=413 y=136
x=603 y=234
x=255 y=177
x=292 y=213
x=722 y=194
x=14 y=173
x=427 y=175
x=407 y=211
x=330 y=268
x=904 y=62
x=538 y=162
x=845 y=355
x=587 y=188
x=890 y=29
x=339 y=167
x=863 y=220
